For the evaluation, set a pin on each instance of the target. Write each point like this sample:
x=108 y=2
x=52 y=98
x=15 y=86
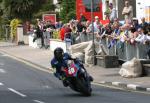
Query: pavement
x=102 y=76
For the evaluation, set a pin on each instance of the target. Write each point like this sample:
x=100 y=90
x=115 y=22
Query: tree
x=48 y=6
x=23 y=9
x=67 y=10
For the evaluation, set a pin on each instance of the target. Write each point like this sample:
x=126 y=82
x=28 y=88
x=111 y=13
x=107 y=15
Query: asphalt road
x=20 y=83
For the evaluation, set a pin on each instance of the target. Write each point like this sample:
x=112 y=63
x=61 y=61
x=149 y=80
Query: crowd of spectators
x=77 y=31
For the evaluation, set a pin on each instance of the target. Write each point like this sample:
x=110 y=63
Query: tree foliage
x=48 y=6
x=26 y=9
x=23 y=9
x=67 y=11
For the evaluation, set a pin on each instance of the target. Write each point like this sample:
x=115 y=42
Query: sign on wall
x=49 y=17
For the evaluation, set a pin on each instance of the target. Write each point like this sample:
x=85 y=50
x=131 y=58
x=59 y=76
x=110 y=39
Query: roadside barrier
x=124 y=51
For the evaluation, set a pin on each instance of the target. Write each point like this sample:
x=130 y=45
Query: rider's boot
x=91 y=78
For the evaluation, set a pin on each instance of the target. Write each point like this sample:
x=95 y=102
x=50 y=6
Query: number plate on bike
x=71 y=71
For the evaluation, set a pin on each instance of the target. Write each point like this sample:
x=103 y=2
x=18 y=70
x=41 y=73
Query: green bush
x=56 y=34
x=13 y=28
x=67 y=11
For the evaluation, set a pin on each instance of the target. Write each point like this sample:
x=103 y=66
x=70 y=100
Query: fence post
x=20 y=38
x=6 y=31
x=137 y=47
x=126 y=48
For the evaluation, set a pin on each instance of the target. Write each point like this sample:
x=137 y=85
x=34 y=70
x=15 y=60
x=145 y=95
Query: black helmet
x=58 y=53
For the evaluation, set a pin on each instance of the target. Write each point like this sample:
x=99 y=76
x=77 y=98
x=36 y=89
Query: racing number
x=71 y=71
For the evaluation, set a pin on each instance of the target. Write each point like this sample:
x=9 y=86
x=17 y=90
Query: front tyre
x=85 y=86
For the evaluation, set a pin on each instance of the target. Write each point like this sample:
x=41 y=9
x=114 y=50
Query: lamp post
x=92 y=20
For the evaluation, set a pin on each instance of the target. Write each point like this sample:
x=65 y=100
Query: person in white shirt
x=147 y=42
x=97 y=26
x=113 y=13
x=141 y=36
x=127 y=11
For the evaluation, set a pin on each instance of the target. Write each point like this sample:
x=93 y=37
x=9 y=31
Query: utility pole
x=92 y=20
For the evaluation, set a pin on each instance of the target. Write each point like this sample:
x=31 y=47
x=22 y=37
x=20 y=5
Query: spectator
x=58 y=25
x=83 y=18
x=144 y=24
x=80 y=27
x=68 y=31
x=87 y=26
x=97 y=27
x=80 y=31
x=128 y=22
x=116 y=30
x=135 y=24
x=116 y=21
x=73 y=34
x=50 y=28
x=149 y=28
x=87 y=30
x=124 y=34
x=141 y=36
x=46 y=34
x=39 y=33
x=106 y=30
x=127 y=11
x=62 y=32
x=148 y=42
x=113 y=13
x=133 y=34
x=107 y=11
x=72 y=24
x=68 y=36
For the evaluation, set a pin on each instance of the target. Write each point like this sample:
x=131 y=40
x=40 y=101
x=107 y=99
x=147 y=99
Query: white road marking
x=1 y=84
x=5 y=55
x=2 y=71
x=37 y=101
x=16 y=92
x=102 y=82
x=115 y=83
x=132 y=86
x=148 y=89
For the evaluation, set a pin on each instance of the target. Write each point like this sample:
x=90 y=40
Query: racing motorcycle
x=77 y=77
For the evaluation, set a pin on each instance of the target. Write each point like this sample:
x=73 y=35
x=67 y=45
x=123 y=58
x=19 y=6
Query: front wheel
x=85 y=86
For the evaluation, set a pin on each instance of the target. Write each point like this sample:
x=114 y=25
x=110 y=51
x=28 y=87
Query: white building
x=141 y=7
x=56 y=3
x=138 y=7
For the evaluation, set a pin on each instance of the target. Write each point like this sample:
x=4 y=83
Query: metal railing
x=124 y=51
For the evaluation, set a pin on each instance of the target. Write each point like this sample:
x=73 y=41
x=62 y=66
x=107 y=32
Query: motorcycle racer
x=59 y=62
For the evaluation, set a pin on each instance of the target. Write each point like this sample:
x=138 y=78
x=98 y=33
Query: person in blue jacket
x=59 y=62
